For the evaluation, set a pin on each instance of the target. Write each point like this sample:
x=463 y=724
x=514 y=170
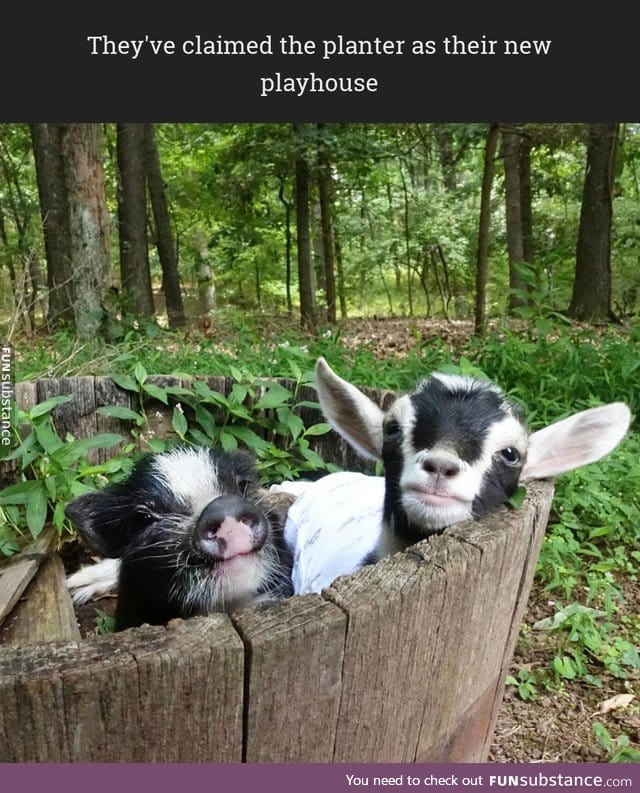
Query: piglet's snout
x=228 y=527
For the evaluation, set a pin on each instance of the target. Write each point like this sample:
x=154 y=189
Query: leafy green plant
x=619 y=748
x=105 y=623
x=52 y=470
x=526 y=684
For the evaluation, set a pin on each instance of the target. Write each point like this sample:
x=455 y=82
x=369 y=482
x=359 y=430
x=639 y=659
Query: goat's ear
x=349 y=411
x=578 y=440
x=100 y=519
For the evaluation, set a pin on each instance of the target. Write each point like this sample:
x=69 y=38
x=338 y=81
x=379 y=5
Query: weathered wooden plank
x=158 y=426
x=391 y=638
x=147 y=695
x=540 y=495
x=45 y=612
x=26 y=394
x=474 y=641
x=16 y=575
x=107 y=393
x=77 y=417
x=294 y=667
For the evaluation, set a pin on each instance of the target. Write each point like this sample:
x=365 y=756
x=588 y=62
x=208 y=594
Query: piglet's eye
x=510 y=455
x=144 y=516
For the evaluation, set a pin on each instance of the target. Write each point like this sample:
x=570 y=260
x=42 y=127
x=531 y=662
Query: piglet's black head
x=194 y=532
x=178 y=483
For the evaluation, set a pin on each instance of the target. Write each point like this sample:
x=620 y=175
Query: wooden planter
x=403 y=661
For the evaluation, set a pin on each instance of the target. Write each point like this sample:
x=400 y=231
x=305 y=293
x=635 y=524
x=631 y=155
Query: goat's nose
x=441 y=466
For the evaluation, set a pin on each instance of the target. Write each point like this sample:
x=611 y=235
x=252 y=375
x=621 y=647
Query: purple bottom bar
x=313 y=778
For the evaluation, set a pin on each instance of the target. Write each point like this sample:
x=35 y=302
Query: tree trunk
x=132 y=221
x=444 y=140
x=342 y=297
x=54 y=211
x=591 y=299
x=484 y=227
x=88 y=223
x=305 y=268
x=288 y=206
x=325 y=189
x=164 y=235
x=515 y=153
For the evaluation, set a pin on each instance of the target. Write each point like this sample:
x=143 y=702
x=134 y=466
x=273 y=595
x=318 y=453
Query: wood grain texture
x=45 y=611
x=391 y=638
x=294 y=656
x=106 y=394
x=16 y=575
x=147 y=695
x=77 y=417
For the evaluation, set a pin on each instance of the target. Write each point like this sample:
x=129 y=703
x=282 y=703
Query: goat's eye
x=392 y=429
x=510 y=455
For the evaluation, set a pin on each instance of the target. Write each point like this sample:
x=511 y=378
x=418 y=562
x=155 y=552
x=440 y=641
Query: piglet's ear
x=349 y=411
x=100 y=522
x=578 y=440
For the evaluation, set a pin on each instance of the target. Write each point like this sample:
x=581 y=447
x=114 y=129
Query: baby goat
x=455 y=448
x=194 y=534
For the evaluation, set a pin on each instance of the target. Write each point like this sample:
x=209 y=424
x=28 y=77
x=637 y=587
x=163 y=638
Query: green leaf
x=48 y=438
x=156 y=445
x=179 y=422
x=140 y=373
x=37 y=510
x=228 y=442
x=19 y=493
x=156 y=392
x=48 y=405
x=274 y=397
x=206 y=421
x=125 y=382
x=121 y=412
x=517 y=499
x=247 y=436
x=79 y=448
x=317 y=429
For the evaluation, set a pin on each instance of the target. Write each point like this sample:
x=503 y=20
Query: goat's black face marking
x=461 y=416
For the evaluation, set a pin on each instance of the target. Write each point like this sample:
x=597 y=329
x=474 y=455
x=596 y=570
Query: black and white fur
x=456 y=448
x=192 y=533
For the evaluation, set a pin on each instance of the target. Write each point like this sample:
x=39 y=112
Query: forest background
x=507 y=251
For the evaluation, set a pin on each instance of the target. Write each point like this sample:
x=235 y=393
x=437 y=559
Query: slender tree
x=54 y=211
x=164 y=235
x=325 y=190
x=135 y=277
x=81 y=146
x=591 y=298
x=484 y=227
x=516 y=154
x=305 y=265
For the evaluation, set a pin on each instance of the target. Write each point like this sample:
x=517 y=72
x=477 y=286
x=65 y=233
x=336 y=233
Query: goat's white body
x=332 y=527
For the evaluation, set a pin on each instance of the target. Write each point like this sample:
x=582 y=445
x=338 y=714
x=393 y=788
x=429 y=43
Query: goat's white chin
x=434 y=511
